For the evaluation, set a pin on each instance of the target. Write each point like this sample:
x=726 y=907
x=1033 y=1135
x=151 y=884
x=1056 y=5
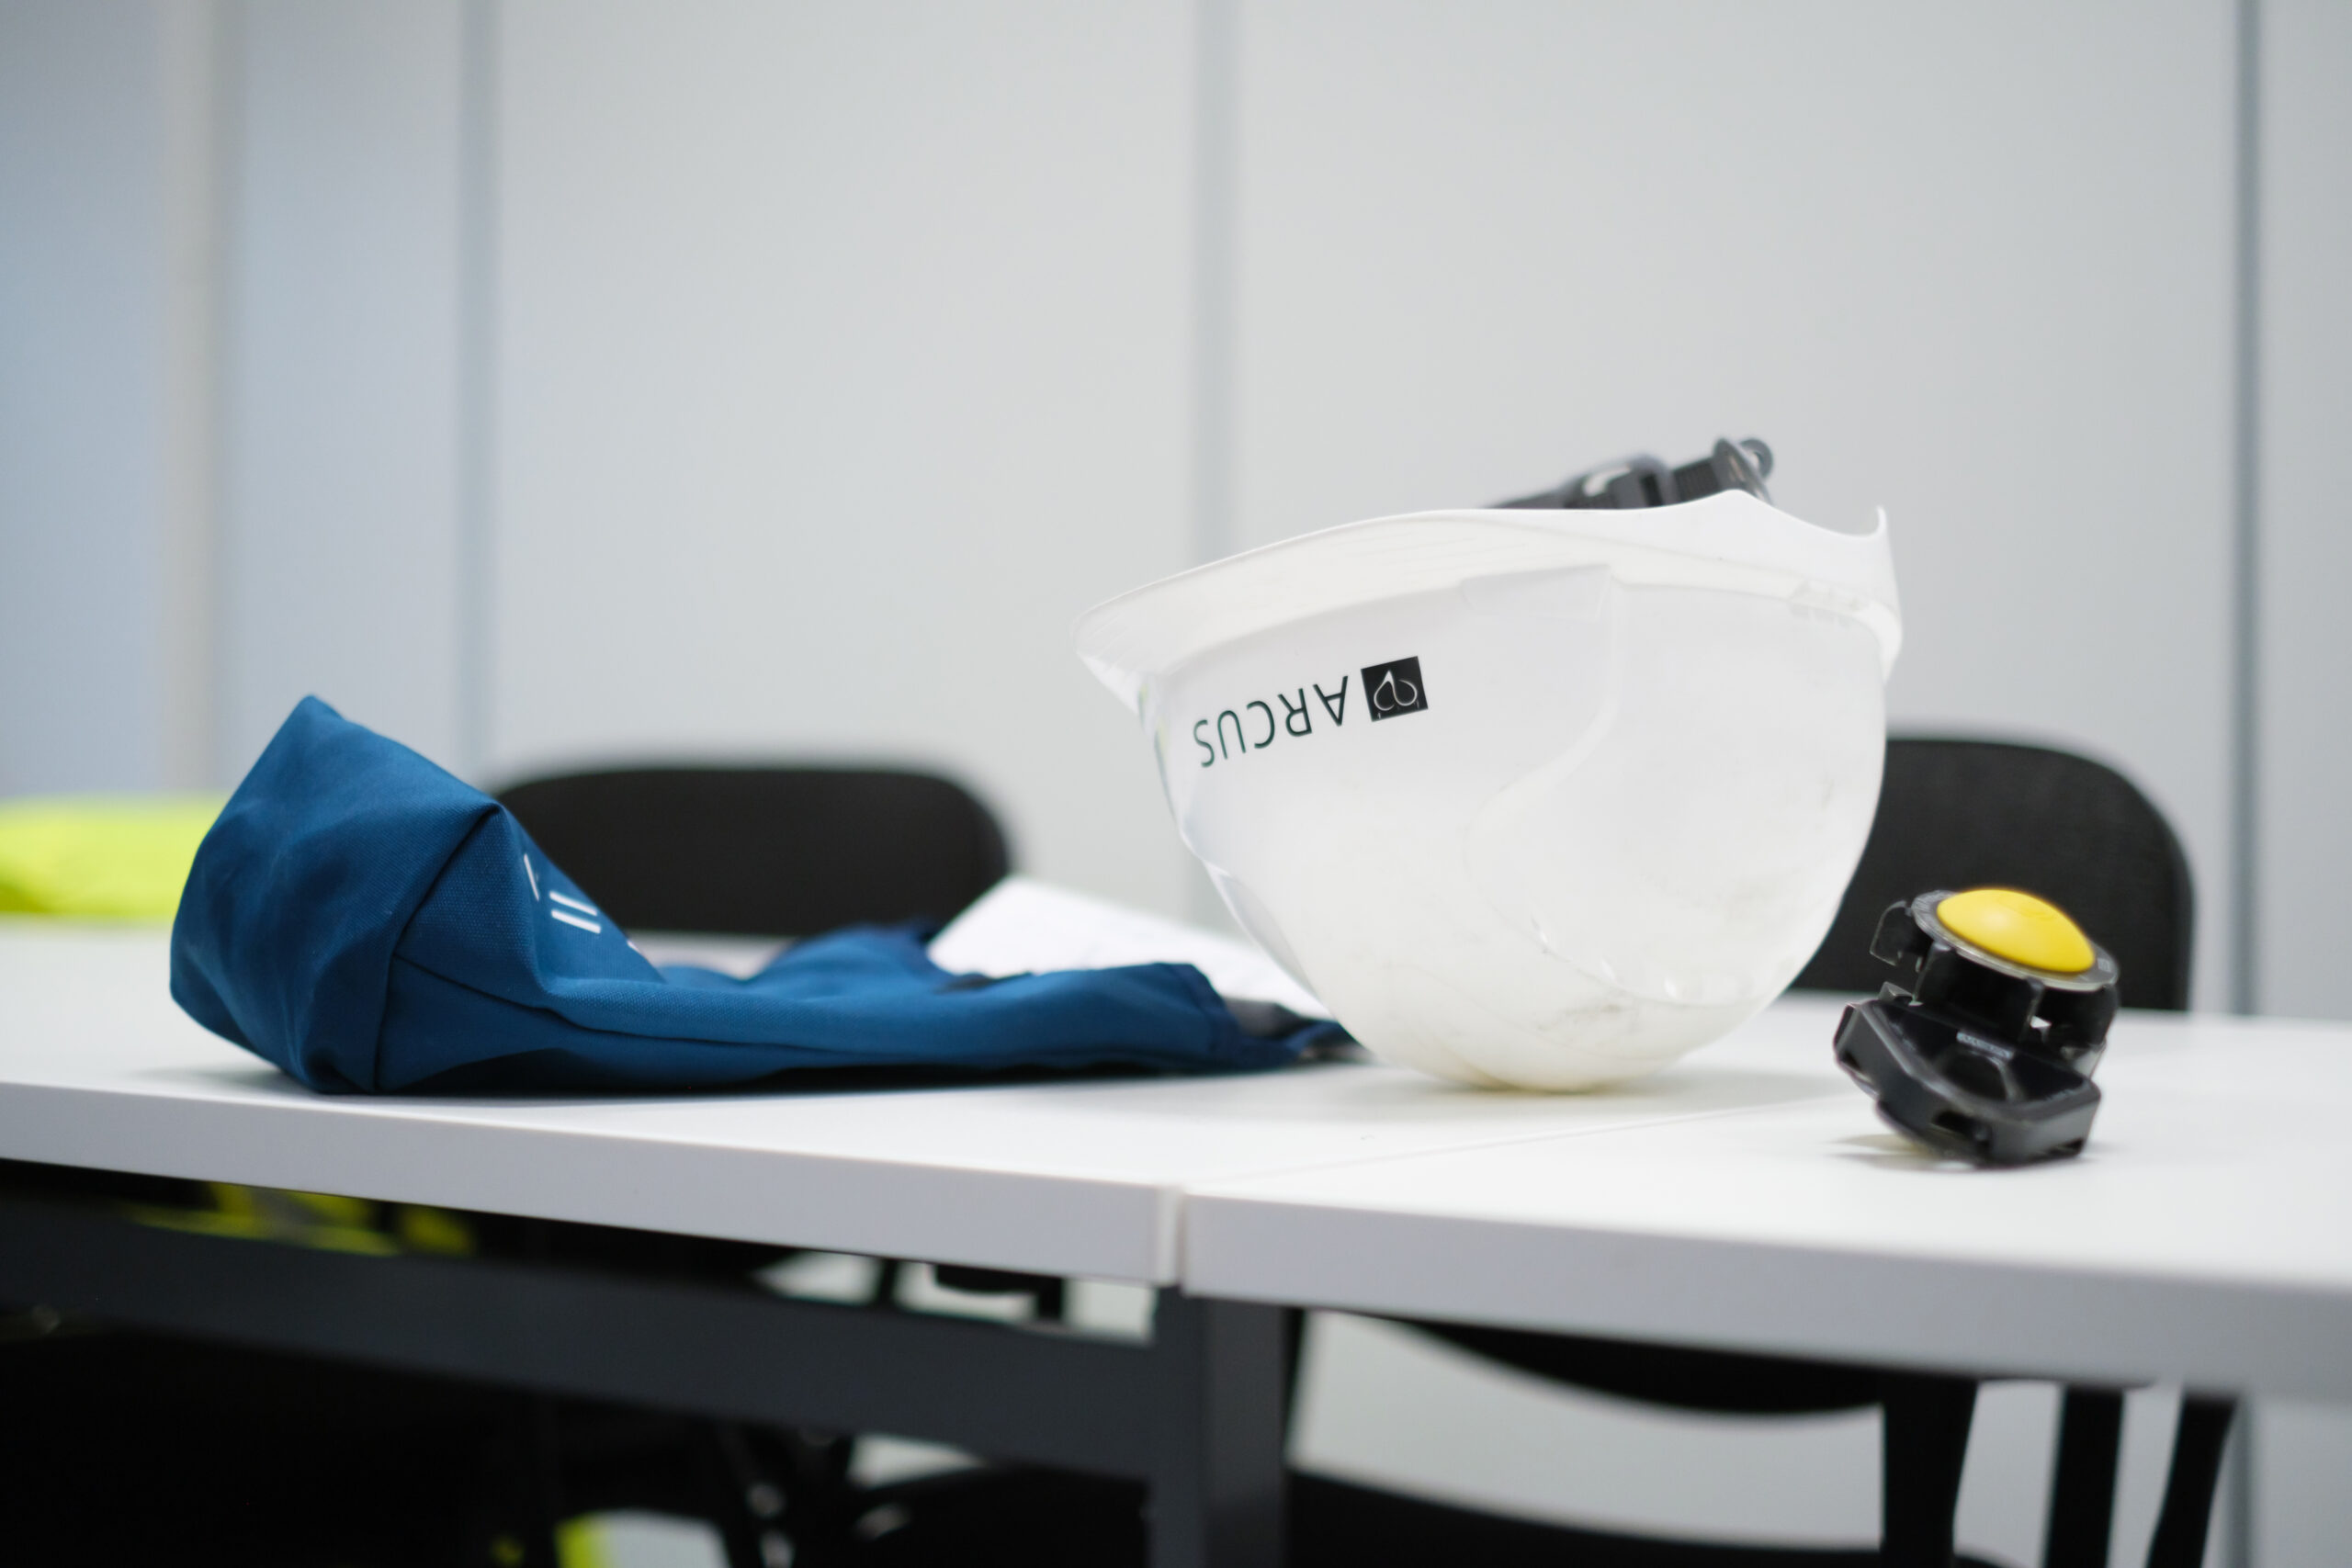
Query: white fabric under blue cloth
x=368 y=922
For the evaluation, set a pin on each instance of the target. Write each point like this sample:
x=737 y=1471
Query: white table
x=1088 y=1177
x=1746 y=1199
x=2204 y=1236
x=99 y=1067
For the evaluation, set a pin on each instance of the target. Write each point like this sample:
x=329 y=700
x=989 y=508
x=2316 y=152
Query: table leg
x=2082 y=1489
x=2187 y=1512
x=1927 y=1418
x=1216 y=1486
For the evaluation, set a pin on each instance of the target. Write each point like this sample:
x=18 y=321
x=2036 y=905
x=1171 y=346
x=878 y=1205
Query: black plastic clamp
x=1972 y=1053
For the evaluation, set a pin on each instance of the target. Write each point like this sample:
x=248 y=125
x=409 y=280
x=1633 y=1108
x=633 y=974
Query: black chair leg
x=542 y=1442
x=2187 y=1512
x=1926 y=1445
x=747 y=1503
x=1294 y=1359
x=541 y=1510
x=2082 y=1488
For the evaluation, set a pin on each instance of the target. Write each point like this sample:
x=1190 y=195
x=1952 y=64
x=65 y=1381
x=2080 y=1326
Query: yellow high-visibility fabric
x=579 y=1543
x=104 y=856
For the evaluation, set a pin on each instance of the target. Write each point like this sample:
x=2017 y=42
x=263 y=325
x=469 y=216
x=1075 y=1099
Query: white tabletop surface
x=2205 y=1233
x=1747 y=1197
x=99 y=1067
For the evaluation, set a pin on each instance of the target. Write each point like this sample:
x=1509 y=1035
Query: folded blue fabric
x=368 y=922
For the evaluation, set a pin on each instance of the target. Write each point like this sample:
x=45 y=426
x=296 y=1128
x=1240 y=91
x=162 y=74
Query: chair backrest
x=1988 y=812
x=1951 y=814
x=764 y=851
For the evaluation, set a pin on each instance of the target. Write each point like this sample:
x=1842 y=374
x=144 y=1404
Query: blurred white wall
x=840 y=362
x=1970 y=263
x=824 y=360
x=2303 y=816
x=106 y=242
x=341 y=525
x=552 y=383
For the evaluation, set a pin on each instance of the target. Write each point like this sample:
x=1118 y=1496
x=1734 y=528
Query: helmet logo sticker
x=1395 y=689
x=1390 y=689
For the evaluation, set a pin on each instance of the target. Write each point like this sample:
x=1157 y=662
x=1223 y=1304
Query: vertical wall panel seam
x=1215 y=236
x=2239 y=1480
x=477 y=389
x=197 y=145
x=226 y=563
x=1215 y=194
x=2246 y=528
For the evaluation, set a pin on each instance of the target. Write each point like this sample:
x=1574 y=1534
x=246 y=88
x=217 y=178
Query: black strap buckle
x=1647 y=481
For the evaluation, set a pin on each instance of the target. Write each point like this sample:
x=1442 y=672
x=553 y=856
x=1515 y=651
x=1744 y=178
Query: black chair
x=1993 y=814
x=790 y=852
x=765 y=852
x=1951 y=814
x=1959 y=813
x=774 y=852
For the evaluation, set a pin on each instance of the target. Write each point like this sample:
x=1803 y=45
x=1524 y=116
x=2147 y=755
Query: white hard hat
x=1537 y=799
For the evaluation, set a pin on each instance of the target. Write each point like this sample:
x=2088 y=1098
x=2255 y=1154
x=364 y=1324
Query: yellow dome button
x=2018 y=927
